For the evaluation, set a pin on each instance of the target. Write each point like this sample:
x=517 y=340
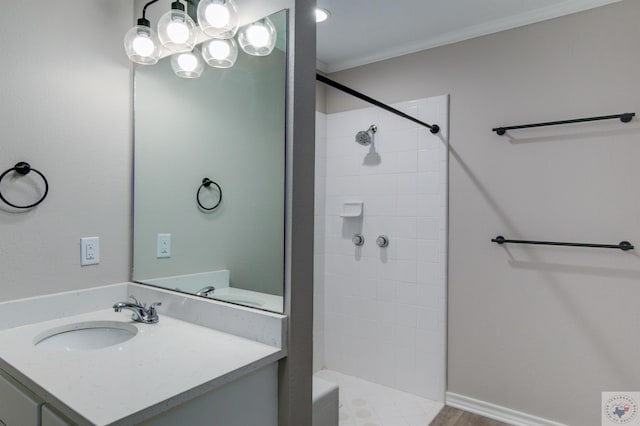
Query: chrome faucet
x=141 y=313
x=206 y=291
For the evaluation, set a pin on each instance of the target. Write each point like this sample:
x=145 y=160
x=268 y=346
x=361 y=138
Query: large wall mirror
x=209 y=178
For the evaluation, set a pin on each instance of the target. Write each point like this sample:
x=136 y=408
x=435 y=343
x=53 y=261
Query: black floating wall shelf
x=624 y=245
x=625 y=118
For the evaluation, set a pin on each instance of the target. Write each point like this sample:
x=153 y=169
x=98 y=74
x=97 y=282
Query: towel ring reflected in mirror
x=206 y=183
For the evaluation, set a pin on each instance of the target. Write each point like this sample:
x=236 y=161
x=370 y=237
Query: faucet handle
x=132 y=297
x=152 y=307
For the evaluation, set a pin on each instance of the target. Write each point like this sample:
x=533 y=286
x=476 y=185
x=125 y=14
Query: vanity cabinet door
x=18 y=406
x=51 y=418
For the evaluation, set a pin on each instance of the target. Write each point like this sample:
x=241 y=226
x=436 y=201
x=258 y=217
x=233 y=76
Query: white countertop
x=163 y=366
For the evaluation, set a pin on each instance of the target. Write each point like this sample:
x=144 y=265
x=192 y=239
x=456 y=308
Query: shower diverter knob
x=382 y=241
x=358 y=239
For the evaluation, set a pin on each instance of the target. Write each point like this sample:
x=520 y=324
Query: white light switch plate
x=163 y=246
x=89 y=251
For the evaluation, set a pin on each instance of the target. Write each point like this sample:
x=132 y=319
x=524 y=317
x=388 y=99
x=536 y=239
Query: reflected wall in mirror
x=227 y=126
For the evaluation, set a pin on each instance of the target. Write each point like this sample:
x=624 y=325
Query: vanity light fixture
x=187 y=64
x=258 y=38
x=218 y=18
x=220 y=53
x=176 y=29
x=141 y=42
x=322 y=15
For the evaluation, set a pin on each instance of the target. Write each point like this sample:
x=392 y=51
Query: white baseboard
x=496 y=412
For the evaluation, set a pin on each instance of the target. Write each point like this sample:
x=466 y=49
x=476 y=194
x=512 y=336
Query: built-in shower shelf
x=352 y=209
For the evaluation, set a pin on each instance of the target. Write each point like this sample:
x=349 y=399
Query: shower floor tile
x=363 y=403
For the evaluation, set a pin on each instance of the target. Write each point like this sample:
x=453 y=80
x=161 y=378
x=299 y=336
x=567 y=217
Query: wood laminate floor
x=453 y=417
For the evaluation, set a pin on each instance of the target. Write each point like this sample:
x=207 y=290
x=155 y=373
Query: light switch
x=163 y=247
x=89 y=251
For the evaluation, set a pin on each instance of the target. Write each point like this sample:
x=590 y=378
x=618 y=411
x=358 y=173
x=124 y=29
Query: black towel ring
x=206 y=182
x=23 y=168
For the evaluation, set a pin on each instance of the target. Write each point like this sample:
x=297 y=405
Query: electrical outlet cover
x=163 y=246
x=89 y=251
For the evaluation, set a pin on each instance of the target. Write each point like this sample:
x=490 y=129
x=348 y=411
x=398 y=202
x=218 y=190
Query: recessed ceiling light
x=322 y=15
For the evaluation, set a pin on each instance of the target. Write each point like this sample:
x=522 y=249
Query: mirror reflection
x=209 y=176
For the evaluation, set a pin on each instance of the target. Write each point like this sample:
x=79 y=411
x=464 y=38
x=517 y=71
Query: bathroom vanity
x=79 y=362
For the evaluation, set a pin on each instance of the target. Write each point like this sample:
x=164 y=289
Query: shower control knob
x=382 y=241
x=358 y=240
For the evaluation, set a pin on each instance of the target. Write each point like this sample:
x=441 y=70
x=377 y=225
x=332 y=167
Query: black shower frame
x=434 y=128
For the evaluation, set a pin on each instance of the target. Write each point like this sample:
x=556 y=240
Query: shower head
x=365 y=138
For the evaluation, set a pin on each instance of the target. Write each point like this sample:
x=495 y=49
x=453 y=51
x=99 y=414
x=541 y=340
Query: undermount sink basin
x=85 y=336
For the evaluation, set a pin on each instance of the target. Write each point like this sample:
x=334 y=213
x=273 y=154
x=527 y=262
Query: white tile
x=431 y=273
x=365 y=309
x=334 y=205
x=407 y=183
x=389 y=121
x=407 y=205
x=406 y=270
x=387 y=312
x=369 y=268
x=348 y=123
x=382 y=184
x=427 y=319
x=380 y=205
x=428 y=141
x=403 y=227
x=340 y=146
x=386 y=290
x=429 y=205
x=407 y=316
x=429 y=183
x=368 y=292
x=352 y=187
x=372 y=226
x=397 y=140
x=429 y=295
x=429 y=250
x=428 y=161
x=387 y=271
x=388 y=163
x=428 y=227
x=405 y=249
x=335 y=185
x=407 y=293
x=407 y=162
x=333 y=224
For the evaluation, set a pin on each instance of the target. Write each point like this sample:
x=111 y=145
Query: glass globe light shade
x=142 y=45
x=220 y=53
x=187 y=64
x=322 y=15
x=176 y=30
x=258 y=38
x=218 y=18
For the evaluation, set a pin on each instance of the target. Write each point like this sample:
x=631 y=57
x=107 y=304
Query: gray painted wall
x=66 y=108
x=538 y=329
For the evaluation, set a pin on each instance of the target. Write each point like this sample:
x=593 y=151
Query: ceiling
x=364 y=31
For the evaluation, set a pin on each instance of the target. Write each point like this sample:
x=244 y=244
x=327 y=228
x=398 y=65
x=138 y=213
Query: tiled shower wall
x=381 y=311
x=318 y=242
